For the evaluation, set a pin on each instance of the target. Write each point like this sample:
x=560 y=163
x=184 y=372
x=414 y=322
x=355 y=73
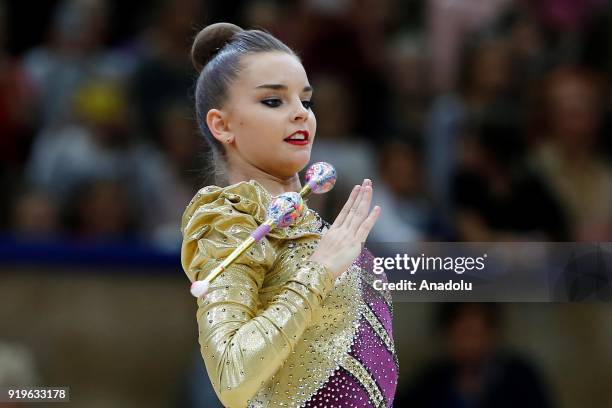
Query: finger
x=362 y=209
x=349 y=203
x=367 y=224
x=353 y=207
x=353 y=210
x=350 y=222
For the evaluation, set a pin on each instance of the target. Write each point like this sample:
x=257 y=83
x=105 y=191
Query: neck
x=275 y=185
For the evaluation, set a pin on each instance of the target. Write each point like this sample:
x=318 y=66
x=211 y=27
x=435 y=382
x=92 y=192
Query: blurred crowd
x=476 y=120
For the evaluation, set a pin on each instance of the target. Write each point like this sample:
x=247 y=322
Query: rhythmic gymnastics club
x=282 y=212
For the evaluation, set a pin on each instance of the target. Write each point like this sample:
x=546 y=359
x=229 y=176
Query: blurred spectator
x=473 y=369
x=483 y=89
x=64 y=113
x=568 y=158
x=337 y=143
x=409 y=85
x=16 y=103
x=407 y=214
x=165 y=73
x=449 y=24
x=35 y=215
x=495 y=195
x=74 y=53
x=180 y=171
x=294 y=24
x=568 y=15
x=597 y=49
x=262 y=14
x=371 y=29
x=527 y=44
x=102 y=145
x=567 y=22
x=100 y=210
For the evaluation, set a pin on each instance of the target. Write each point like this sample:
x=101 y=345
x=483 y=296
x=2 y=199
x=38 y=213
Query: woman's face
x=267 y=103
x=491 y=73
x=574 y=111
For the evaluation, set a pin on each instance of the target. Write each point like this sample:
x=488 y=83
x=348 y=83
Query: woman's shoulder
x=217 y=220
x=245 y=199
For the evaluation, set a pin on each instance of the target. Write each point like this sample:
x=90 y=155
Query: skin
x=255 y=121
x=471 y=343
x=253 y=124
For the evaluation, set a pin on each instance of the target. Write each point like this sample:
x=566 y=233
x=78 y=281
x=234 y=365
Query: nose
x=300 y=113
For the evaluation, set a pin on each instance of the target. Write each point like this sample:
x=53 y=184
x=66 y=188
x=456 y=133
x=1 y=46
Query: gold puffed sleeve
x=243 y=341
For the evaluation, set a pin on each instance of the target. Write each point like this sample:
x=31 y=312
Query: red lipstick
x=299 y=138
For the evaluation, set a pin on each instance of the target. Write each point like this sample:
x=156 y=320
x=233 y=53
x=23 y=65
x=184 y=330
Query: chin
x=290 y=169
x=302 y=164
x=298 y=161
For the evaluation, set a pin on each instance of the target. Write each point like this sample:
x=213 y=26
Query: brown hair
x=216 y=53
x=540 y=120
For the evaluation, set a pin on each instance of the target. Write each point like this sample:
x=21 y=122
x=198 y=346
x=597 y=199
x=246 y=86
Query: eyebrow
x=280 y=87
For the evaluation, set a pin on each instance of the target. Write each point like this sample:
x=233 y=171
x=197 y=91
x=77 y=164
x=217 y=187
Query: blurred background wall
x=476 y=121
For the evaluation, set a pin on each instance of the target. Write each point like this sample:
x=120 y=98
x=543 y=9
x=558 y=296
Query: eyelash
x=307 y=104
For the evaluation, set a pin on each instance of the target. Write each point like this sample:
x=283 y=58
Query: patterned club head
x=321 y=177
x=286 y=208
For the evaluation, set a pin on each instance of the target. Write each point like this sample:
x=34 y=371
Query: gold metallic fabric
x=274 y=326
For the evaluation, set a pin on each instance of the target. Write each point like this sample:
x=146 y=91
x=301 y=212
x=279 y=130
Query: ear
x=219 y=127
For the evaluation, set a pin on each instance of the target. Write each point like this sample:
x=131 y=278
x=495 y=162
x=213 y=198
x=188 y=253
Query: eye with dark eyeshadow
x=273 y=102
x=308 y=104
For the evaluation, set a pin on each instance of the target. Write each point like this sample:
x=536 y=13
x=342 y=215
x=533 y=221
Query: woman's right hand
x=342 y=243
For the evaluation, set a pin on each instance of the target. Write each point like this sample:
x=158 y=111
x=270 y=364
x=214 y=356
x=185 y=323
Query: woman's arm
x=243 y=344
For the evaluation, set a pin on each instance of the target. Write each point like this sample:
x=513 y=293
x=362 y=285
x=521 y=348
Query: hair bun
x=209 y=41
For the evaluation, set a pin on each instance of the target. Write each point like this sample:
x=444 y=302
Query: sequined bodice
x=335 y=349
x=347 y=356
